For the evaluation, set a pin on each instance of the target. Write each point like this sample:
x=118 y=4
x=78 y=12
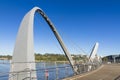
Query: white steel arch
x=94 y=52
x=24 y=47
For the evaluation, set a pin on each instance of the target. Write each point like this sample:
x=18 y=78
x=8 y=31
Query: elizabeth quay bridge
x=23 y=65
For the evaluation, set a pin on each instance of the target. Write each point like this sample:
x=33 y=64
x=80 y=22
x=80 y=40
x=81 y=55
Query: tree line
x=42 y=57
x=51 y=57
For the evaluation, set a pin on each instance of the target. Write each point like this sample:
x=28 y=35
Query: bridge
x=23 y=65
x=24 y=53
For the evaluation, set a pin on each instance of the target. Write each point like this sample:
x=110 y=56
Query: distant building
x=113 y=58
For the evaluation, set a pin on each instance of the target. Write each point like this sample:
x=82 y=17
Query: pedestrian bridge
x=105 y=72
x=24 y=67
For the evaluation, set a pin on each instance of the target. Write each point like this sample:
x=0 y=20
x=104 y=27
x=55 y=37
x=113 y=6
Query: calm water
x=54 y=73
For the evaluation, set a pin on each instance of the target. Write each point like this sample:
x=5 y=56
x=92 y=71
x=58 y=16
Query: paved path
x=106 y=72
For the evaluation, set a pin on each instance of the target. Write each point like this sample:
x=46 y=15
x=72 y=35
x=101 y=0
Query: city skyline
x=81 y=23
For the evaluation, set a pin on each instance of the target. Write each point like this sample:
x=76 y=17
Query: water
x=62 y=70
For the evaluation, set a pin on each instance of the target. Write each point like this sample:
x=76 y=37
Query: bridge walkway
x=105 y=72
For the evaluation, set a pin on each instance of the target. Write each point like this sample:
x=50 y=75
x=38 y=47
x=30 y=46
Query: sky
x=81 y=23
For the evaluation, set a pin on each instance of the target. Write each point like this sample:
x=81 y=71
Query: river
x=63 y=70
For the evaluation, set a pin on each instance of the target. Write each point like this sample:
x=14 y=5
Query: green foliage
x=8 y=57
x=50 y=57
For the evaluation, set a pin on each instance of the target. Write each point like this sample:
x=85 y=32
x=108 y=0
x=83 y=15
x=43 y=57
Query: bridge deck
x=106 y=72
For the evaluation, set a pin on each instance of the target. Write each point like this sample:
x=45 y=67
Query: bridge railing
x=50 y=71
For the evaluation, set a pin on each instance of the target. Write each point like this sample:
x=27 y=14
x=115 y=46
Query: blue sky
x=79 y=22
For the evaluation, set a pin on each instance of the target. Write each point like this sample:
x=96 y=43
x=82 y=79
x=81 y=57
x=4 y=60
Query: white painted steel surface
x=24 y=48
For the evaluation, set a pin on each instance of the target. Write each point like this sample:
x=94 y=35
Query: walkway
x=106 y=72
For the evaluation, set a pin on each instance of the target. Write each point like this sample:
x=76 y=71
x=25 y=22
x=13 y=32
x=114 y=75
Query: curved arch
x=93 y=53
x=23 y=51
